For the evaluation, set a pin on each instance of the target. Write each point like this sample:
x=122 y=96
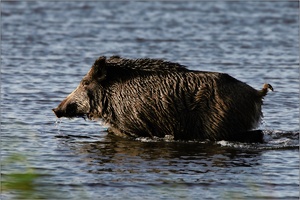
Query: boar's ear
x=99 y=69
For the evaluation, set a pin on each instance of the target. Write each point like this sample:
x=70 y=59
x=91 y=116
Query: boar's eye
x=85 y=82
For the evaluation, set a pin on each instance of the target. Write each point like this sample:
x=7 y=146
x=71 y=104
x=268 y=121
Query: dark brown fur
x=149 y=97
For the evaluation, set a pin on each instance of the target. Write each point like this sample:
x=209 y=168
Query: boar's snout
x=59 y=113
x=66 y=110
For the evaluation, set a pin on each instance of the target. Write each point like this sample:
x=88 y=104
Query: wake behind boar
x=151 y=97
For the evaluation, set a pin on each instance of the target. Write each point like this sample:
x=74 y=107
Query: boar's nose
x=66 y=110
x=57 y=112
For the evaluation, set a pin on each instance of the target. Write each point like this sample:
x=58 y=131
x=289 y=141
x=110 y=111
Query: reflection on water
x=119 y=162
x=47 y=47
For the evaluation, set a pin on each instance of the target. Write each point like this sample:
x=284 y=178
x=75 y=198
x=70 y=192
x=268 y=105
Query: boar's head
x=83 y=101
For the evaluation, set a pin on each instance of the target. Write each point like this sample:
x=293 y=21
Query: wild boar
x=152 y=97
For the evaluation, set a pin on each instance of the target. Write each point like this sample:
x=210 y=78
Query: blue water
x=47 y=47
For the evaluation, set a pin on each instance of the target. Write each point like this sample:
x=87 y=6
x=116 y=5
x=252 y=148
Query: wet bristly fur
x=151 y=97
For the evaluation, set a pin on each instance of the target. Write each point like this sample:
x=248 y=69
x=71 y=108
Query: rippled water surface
x=47 y=47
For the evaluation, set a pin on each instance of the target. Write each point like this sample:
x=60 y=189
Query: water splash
x=167 y=138
x=273 y=139
x=57 y=125
x=282 y=139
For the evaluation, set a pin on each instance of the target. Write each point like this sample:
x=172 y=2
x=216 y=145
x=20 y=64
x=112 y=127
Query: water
x=47 y=47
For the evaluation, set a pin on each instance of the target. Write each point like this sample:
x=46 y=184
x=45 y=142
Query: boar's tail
x=263 y=92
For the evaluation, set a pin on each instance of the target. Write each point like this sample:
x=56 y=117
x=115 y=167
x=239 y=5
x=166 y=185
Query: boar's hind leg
x=255 y=136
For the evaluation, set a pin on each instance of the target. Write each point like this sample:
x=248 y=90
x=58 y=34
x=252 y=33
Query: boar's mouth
x=72 y=110
x=85 y=116
x=60 y=113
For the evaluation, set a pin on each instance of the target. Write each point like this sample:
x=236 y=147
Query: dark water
x=47 y=47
